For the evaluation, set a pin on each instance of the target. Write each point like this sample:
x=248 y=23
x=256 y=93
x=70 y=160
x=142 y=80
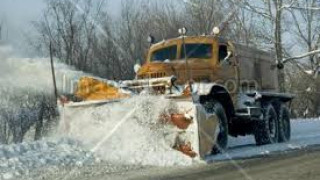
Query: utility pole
x=183 y=32
x=278 y=43
x=0 y=31
x=53 y=72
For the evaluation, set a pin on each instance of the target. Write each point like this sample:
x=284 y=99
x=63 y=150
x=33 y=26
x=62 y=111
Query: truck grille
x=152 y=75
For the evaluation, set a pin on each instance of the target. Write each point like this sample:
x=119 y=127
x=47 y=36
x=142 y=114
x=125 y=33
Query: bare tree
x=306 y=28
x=159 y=19
x=71 y=27
x=203 y=15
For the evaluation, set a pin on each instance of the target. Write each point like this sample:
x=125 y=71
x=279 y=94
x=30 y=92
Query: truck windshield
x=165 y=53
x=201 y=51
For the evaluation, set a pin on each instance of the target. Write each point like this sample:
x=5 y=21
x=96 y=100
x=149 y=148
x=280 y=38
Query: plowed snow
x=128 y=132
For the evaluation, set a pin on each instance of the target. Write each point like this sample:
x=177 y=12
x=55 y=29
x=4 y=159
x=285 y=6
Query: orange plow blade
x=90 y=89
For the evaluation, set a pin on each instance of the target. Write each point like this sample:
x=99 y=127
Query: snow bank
x=19 y=159
x=21 y=75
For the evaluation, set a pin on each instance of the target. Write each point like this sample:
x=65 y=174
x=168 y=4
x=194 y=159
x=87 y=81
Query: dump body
x=257 y=66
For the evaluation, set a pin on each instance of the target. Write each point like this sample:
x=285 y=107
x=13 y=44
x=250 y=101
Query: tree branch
x=303 y=8
x=302 y=56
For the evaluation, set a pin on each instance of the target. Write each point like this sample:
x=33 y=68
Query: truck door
x=226 y=71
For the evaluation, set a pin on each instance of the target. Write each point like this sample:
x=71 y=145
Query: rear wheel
x=221 y=132
x=266 y=130
x=284 y=124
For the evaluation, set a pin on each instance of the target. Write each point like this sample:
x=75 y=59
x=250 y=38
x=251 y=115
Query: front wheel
x=221 y=132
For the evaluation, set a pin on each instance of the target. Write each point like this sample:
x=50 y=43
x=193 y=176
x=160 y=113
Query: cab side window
x=223 y=52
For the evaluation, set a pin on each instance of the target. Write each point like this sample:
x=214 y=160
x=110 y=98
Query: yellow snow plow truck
x=221 y=88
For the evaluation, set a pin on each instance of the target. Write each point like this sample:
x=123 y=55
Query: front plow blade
x=207 y=125
x=194 y=138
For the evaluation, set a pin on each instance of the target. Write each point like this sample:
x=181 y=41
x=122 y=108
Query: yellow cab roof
x=187 y=39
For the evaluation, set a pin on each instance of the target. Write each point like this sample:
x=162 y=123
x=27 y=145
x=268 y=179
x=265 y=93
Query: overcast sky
x=17 y=15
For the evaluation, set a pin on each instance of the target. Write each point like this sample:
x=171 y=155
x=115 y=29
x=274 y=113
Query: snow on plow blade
x=184 y=125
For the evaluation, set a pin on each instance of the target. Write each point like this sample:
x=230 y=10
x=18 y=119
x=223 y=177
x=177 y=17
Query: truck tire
x=222 y=135
x=284 y=124
x=266 y=130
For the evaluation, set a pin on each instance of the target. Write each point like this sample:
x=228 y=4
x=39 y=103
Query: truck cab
x=208 y=59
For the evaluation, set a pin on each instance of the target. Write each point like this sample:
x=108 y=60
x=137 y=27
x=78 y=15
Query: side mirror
x=226 y=60
x=136 y=68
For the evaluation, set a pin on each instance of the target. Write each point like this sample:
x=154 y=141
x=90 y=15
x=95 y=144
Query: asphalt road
x=295 y=165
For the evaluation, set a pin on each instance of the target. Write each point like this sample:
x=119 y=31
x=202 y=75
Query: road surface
x=295 y=165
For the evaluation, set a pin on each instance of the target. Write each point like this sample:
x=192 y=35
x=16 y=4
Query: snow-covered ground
x=305 y=132
x=20 y=159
